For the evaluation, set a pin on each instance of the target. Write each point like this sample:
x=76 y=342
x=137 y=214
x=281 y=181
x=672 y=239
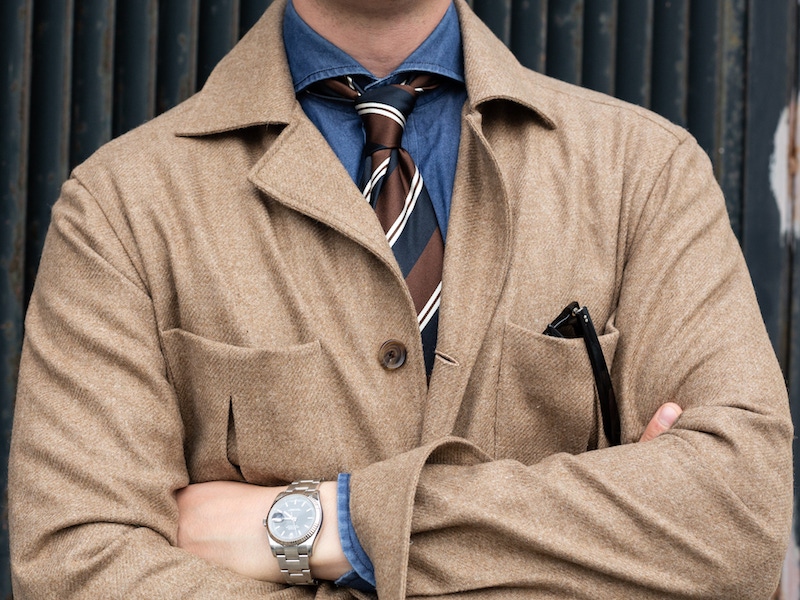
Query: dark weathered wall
x=77 y=72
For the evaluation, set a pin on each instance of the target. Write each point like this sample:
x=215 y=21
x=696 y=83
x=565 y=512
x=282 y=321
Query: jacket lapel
x=301 y=171
x=477 y=258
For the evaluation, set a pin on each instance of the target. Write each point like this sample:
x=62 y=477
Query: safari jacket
x=213 y=301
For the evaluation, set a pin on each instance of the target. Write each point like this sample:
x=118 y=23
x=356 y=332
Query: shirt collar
x=252 y=85
x=312 y=58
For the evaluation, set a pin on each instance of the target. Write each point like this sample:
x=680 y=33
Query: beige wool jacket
x=212 y=301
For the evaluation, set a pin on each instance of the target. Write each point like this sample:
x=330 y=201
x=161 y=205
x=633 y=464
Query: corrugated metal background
x=78 y=72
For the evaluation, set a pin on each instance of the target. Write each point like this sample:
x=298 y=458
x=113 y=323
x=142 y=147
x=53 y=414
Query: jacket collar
x=252 y=85
x=492 y=72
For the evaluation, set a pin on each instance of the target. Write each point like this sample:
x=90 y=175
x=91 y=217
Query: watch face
x=293 y=519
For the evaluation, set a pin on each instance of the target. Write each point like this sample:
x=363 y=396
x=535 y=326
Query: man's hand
x=664 y=418
x=222 y=521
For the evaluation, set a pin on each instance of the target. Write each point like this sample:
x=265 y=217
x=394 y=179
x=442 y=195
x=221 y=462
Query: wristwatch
x=293 y=523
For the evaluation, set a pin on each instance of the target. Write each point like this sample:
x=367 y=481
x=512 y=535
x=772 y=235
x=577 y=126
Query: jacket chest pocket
x=262 y=415
x=547 y=400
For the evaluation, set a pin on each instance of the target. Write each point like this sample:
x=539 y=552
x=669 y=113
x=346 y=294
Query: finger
x=664 y=418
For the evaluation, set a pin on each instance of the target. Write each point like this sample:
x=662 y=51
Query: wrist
x=328 y=561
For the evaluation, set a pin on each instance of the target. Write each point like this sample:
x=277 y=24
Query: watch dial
x=292 y=519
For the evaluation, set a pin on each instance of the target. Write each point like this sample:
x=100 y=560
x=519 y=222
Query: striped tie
x=392 y=184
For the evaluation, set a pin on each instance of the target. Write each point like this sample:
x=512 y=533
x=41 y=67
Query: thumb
x=664 y=418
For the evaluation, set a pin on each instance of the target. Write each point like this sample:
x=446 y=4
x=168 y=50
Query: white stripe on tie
x=430 y=307
x=385 y=110
x=396 y=230
x=379 y=172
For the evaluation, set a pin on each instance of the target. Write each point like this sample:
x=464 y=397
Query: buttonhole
x=447 y=358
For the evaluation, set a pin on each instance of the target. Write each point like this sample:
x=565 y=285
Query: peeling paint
x=783 y=177
x=793 y=161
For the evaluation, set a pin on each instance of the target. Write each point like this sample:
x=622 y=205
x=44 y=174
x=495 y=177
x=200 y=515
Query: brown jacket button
x=392 y=355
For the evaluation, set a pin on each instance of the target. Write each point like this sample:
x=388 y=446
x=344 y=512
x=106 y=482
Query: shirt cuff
x=362 y=577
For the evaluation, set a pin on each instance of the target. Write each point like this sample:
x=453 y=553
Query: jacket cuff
x=362 y=576
x=382 y=505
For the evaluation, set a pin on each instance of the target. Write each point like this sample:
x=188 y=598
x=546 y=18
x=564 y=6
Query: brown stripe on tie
x=426 y=275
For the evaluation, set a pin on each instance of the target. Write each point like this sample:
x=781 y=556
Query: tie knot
x=384 y=111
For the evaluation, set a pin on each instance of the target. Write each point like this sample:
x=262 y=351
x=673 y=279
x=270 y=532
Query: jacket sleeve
x=702 y=511
x=97 y=445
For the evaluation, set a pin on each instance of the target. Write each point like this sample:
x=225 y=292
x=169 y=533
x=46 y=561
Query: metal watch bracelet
x=293 y=561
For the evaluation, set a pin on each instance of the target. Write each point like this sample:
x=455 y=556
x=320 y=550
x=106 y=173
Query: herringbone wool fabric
x=395 y=188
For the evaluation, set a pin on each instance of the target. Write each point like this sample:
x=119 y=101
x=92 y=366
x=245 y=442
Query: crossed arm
x=95 y=459
x=221 y=521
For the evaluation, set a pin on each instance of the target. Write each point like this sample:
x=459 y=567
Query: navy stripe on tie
x=417 y=237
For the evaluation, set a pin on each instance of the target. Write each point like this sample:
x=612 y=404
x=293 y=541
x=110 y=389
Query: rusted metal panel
x=600 y=45
x=135 y=63
x=731 y=109
x=249 y=12
x=670 y=59
x=219 y=31
x=634 y=50
x=177 y=52
x=529 y=32
x=565 y=40
x=15 y=41
x=767 y=233
x=497 y=15
x=93 y=77
x=51 y=103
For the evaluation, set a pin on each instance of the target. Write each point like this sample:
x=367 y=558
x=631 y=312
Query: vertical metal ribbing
x=704 y=71
x=767 y=233
x=15 y=52
x=135 y=63
x=51 y=105
x=731 y=109
x=529 y=33
x=219 y=31
x=634 y=50
x=177 y=52
x=670 y=59
x=565 y=40
x=600 y=45
x=92 y=77
x=497 y=15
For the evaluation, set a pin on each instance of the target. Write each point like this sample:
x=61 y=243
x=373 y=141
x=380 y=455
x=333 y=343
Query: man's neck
x=379 y=34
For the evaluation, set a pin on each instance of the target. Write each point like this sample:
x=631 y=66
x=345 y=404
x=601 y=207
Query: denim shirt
x=436 y=116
